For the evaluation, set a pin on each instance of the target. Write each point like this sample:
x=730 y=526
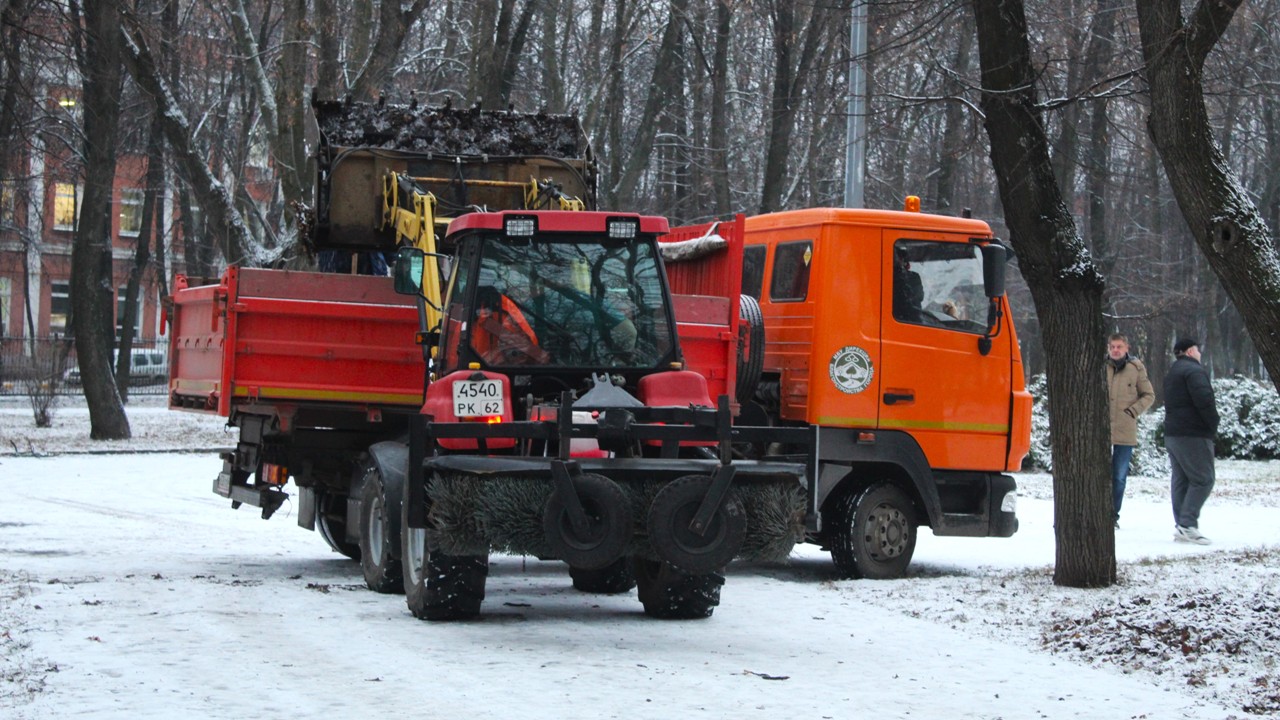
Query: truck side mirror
x=994 y=258
x=407 y=273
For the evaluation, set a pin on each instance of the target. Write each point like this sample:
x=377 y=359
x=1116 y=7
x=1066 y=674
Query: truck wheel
x=674 y=508
x=612 y=579
x=669 y=594
x=380 y=533
x=751 y=349
x=331 y=523
x=874 y=533
x=439 y=586
x=609 y=523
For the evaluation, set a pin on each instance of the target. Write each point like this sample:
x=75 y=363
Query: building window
x=8 y=203
x=5 y=293
x=137 y=315
x=66 y=206
x=59 y=306
x=130 y=212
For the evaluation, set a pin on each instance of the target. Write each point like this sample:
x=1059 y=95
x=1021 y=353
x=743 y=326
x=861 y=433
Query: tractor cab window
x=563 y=301
x=939 y=284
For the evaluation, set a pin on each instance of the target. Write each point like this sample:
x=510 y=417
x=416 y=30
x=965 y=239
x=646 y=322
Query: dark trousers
x=1191 y=459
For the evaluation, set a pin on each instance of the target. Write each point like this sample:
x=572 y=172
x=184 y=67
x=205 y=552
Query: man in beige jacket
x=1130 y=394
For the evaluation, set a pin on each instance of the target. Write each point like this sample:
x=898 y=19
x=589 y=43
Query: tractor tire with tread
x=612 y=579
x=669 y=594
x=439 y=586
x=380 y=532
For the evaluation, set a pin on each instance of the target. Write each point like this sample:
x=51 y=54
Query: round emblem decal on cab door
x=851 y=369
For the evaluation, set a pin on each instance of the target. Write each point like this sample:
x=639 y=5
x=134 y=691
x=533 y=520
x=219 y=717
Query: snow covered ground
x=127 y=589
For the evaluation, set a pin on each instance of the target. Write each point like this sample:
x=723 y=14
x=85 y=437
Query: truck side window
x=938 y=284
x=753 y=271
x=791 y=263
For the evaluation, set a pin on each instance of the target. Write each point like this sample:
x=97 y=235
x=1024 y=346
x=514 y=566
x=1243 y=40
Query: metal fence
x=47 y=366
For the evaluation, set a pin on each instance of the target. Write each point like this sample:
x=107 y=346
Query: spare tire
x=750 y=348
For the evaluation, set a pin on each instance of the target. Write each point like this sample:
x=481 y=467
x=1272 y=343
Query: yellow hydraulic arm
x=410 y=211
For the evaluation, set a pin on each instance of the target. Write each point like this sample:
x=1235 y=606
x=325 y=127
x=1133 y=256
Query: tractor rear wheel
x=670 y=594
x=331 y=523
x=380 y=533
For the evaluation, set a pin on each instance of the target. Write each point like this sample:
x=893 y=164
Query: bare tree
x=92 y=289
x=1067 y=291
x=1227 y=226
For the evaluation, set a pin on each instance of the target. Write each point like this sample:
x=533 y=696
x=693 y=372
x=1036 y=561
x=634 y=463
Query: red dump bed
x=279 y=336
x=706 y=292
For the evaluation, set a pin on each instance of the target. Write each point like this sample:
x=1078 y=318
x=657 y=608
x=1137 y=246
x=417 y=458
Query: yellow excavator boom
x=410 y=211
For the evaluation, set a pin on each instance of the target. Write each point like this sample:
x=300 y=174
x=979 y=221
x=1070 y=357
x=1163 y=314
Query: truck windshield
x=568 y=302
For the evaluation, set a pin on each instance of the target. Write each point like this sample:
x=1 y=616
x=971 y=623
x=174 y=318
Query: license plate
x=476 y=398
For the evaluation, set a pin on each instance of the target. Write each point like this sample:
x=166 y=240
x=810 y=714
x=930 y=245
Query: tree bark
x=789 y=82
x=393 y=25
x=92 y=287
x=719 y=133
x=660 y=90
x=1227 y=226
x=1066 y=289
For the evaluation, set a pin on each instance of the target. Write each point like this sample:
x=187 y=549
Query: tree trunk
x=1067 y=292
x=1227 y=227
x=719 y=110
x=329 y=85
x=141 y=254
x=953 y=134
x=92 y=288
x=789 y=81
x=660 y=90
x=552 y=79
x=393 y=25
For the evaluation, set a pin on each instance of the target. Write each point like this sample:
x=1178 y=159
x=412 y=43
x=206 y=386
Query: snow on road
x=127 y=589
x=135 y=592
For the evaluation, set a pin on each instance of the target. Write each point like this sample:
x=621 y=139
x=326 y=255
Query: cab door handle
x=893 y=398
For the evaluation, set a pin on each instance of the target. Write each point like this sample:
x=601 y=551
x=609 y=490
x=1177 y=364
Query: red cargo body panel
x=706 y=293
x=277 y=335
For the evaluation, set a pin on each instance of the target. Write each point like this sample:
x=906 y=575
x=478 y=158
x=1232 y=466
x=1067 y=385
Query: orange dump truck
x=889 y=333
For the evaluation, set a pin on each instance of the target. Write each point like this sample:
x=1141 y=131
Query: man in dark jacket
x=1190 y=422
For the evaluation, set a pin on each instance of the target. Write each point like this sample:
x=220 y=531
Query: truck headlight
x=1010 y=502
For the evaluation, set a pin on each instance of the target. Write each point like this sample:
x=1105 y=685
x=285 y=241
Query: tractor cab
x=552 y=299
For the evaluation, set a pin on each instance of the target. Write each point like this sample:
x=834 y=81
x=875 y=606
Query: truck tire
x=672 y=511
x=331 y=523
x=609 y=523
x=874 y=533
x=669 y=594
x=612 y=579
x=380 y=532
x=439 y=586
x=751 y=349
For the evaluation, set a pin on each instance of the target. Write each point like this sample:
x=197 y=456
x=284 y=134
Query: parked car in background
x=146 y=366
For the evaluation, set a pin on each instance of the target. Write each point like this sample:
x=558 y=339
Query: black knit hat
x=1184 y=344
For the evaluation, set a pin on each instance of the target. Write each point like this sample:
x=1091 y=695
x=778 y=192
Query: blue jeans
x=1120 y=456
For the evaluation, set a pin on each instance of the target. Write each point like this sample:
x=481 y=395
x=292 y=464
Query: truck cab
x=889 y=332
